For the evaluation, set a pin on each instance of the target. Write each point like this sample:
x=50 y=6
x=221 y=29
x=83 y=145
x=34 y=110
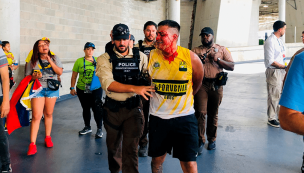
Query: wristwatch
x=71 y=88
x=218 y=59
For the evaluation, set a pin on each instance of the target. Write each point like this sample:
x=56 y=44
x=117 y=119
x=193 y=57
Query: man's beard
x=149 y=39
x=118 y=50
x=209 y=43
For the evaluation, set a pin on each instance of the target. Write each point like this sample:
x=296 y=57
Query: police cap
x=121 y=31
x=206 y=30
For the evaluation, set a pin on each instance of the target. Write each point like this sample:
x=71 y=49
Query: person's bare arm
x=278 y=65
x=124 y=88
x=197 y=72
x=226 y=65
x=291 y=120
x=73 y=82
x=5 y=106
x=57 y=70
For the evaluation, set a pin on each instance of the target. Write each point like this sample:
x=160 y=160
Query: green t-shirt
x=79 y=68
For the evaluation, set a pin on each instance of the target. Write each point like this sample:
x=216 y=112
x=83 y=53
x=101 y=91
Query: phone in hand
x=36 y=71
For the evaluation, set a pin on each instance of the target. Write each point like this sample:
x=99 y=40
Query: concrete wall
x=10 y=24
x=185 y=20
x=253 y=37
x=234 y=23
x=207 y=14
x=294 y=18
x=71 y=23
x=257 y=52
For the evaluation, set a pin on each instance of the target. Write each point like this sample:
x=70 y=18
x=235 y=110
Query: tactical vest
x=145 y=50
x=126 y=70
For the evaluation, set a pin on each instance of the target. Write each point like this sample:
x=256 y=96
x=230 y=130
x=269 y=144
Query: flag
x=20 y=103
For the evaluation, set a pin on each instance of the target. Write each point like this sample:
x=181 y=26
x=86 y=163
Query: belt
x=209 y=79
x=133 y=99
x=276 y=68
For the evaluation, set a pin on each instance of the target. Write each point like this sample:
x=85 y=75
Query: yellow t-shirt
x=29 y=56
x=173 y=96
x=9 y=60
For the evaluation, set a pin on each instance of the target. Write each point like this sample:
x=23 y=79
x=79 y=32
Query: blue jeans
x=46 y=92
x=4 y=151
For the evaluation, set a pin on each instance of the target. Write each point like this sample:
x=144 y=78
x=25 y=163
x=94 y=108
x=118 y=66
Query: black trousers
x=4 y=151
x=88 y=101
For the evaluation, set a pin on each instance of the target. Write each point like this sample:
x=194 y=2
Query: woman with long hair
x=45 y=67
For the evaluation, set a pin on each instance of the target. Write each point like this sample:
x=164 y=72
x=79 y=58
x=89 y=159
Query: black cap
x=89 y=44
x=120 y=31
x=206 y=30
x=132 y=38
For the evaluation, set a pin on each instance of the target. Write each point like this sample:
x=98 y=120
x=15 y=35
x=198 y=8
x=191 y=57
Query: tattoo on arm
x=157 y=168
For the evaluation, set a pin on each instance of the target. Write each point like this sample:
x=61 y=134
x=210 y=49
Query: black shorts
x=180 y=133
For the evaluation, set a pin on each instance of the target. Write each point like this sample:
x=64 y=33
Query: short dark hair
x=4 y=43
x=302 y=32
x=149 y=23
x=278 y=25
x=170 y=23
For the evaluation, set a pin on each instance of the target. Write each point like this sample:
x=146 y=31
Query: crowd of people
x=154 y=88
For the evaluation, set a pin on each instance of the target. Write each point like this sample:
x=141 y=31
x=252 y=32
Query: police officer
x=208 y=99
x=146 y=46
x=132 y=41
x=119 y=72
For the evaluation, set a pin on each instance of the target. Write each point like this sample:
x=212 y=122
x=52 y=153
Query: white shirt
x=274 y=50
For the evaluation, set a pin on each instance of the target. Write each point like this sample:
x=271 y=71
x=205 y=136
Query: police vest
x=145 y=50
x=126 y=70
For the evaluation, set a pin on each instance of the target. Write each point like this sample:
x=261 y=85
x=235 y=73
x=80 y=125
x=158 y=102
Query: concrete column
x=174 y=12
x=295 y=35
x=282 y=13
x=10 y=25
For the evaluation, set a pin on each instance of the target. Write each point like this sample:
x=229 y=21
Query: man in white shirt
x=274 y=55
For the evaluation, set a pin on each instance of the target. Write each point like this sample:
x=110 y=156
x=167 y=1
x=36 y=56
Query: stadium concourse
x=245 y=143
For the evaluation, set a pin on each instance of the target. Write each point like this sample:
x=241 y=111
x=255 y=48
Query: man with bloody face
x=209 y=96
x=176 y=74
x=118 y=72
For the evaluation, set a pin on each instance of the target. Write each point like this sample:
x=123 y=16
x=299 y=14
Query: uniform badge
x=156 y=65
x=182 y=66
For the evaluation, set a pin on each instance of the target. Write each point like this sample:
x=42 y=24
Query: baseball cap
x=46 y=39
x=206 y=30
x=132 y=38
x=120 y=31
x=89 y=44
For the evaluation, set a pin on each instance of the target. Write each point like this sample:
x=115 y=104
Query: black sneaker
x=273 y=123
x=200 y=148
x=85 y=130
x=142 y=152
x=99 y=133
x=6 y=168
x=211 y=146
x=5 y=129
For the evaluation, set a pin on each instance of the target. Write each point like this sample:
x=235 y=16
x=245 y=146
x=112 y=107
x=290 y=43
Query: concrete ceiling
x=269 y=13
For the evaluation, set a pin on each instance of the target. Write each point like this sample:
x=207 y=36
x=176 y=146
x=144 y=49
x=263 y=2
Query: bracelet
x=72 y=88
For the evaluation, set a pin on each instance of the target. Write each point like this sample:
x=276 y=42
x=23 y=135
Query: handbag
x=51 y=83
x=95 y=84
x=221 y=79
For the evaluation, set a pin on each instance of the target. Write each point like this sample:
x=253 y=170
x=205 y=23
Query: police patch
x=156 y=65
x=182 y=66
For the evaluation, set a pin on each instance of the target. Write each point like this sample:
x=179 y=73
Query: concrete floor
x=245 y=142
